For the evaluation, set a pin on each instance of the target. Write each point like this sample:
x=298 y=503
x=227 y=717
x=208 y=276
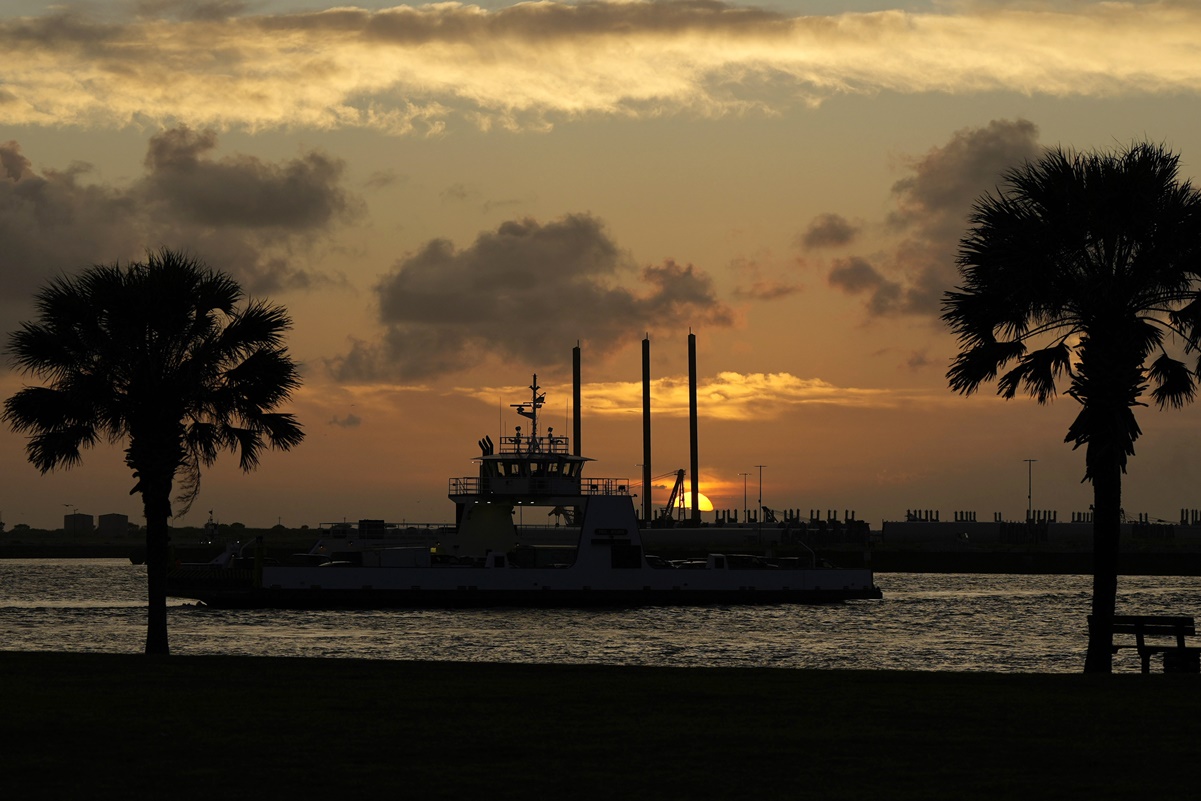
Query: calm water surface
x=1007 y=623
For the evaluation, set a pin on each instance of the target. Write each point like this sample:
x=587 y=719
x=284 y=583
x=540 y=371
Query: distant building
x=114 y=525
x=78 y=524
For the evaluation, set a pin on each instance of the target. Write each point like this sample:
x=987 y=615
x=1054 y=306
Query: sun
x=703 y=503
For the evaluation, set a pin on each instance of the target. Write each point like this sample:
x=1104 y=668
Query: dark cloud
x=456 y=192
x=242 y=191
x=919 y=360
x=931 y=211
x=58 y=221
x=54 y=222
x=523 y=292
x=756 y=281
x=767 y=290
x=945 y=182
x=857 y=276
x=381 y=179
x=492 y=205
x=828 y=230
x=200 y=10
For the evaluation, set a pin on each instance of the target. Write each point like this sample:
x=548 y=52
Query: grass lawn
x=216 y=728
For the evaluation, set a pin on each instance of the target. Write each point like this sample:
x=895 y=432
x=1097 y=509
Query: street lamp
x=744 y=514
x=759 y=514
x=1029 y=488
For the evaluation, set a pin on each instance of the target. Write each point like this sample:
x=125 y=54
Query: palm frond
x=59 y=447
x=1175 y=384
x=1037 y=372
x=202 y=440
x=1187 y=319
x=980 y=364
x=283 y=431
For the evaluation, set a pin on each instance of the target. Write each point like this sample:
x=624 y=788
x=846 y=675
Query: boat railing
x=520 y=443
x=486 y=485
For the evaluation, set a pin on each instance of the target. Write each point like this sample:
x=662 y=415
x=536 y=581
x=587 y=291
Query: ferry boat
x=486 y=561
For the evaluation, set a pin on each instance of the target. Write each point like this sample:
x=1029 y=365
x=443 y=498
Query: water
x=1006 y=623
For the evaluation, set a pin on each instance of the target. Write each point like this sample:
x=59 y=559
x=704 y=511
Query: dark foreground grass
x=131 y=727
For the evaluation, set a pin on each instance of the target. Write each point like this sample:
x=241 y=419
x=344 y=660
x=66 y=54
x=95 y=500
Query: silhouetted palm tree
x=1085 y=265
x=157 y=355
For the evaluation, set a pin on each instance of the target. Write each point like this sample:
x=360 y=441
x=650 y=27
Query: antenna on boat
x=529 y=410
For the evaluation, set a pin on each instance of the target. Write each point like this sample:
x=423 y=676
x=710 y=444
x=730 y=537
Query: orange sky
x=449 y=197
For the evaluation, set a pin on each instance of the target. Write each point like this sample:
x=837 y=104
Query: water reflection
x=925 y=622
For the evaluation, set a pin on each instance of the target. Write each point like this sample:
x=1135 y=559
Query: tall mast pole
x=692 y=435
x=575 y=398
x=646 y=430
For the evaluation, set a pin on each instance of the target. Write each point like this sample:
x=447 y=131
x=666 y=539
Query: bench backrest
x=1178 y=626
x=1154 y=625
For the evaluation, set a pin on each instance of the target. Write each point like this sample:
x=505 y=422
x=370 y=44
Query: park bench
x=1178 y=657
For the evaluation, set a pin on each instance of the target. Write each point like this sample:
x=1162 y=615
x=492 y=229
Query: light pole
x=1029 y=488
x=645 y=490
x=759 y=514
x=744 y=515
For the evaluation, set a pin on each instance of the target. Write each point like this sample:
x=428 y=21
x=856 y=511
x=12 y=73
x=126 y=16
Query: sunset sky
x=448 y=197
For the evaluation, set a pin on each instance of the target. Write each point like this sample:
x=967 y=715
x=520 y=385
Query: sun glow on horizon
x=702 y=501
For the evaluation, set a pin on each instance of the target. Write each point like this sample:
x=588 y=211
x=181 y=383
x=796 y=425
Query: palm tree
x=1085 y=266
x=157 y=355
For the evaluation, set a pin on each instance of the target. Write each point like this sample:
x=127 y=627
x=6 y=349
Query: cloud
x=522 y=292
x=349 y=421
x=190 y=9
x=418 y=68
x=855 y=275
x=238 y=213
x=767 y=289
x=828 y=230
x=918 y=360
x=457 y=193
x=242 y=191
x=756 y=281
x=382 y=179
x=930 y=215
x=725 y=396
x=55 y=221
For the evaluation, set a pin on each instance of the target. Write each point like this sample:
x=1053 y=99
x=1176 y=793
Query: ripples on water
x=1007 y=623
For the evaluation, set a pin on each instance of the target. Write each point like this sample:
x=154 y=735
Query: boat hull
x=376 y=588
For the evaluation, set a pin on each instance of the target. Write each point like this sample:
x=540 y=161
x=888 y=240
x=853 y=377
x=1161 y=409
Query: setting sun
x=702 y=501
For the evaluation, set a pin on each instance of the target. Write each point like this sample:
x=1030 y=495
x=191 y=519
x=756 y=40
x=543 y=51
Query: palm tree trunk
x=1107 y=526
x=156 y=501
